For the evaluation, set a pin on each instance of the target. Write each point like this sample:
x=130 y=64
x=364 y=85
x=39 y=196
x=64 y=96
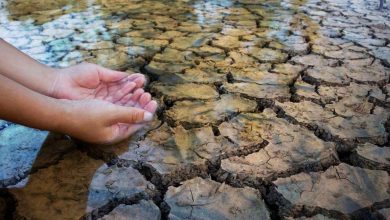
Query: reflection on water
x=208 y=62
x=42 y=10
x=19 y=8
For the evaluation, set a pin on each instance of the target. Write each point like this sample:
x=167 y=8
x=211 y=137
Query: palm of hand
x=89 y=81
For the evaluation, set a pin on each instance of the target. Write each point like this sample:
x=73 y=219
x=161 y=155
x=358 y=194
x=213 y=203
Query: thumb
x=130 y=115
x=108 y=75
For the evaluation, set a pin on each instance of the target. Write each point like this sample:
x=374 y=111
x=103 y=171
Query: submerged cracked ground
x=268 y=110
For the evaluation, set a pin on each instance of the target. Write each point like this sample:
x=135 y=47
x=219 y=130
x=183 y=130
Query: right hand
x=98 y=121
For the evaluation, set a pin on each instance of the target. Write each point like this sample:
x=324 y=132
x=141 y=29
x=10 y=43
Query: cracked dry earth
x=268 y=110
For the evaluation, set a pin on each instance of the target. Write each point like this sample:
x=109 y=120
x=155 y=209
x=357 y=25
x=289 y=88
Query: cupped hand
x=101 y=122
x=90 y=81
x=106 y=106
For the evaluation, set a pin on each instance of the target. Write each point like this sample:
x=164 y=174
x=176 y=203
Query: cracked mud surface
x=205 y=199
x=290 y=149
x=268 y=110
x=142 y=210
x=340 y=190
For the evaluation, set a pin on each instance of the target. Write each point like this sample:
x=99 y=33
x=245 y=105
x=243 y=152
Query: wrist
x=51 y=77
x=62 y=117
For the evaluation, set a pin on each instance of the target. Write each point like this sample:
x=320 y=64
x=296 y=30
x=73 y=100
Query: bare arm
x=21 y=68
x=26 y=89
x=90 y=120
x=22 y=105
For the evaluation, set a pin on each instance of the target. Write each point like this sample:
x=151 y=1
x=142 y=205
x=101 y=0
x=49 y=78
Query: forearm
x=24 y=106
x=21 y=68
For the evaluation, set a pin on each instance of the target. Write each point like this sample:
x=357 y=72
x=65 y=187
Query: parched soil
x=267 y=110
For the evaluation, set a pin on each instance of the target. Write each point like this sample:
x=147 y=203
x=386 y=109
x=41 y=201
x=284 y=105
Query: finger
x=124 y=80
x=138 y=78
x=144 y=99
x=125 y=99
x=108 y=75
x=140 y=81
x=113 y=87
x=134 y=98
x=134 y=76
x=130 y=115
x=151 y=106
x=125 y=90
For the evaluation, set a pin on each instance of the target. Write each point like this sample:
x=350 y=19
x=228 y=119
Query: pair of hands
x=106 y=106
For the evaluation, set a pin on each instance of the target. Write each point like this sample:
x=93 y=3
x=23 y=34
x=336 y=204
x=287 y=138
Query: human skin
x=86 y=101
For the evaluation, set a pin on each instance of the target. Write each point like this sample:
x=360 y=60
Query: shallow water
x=249 y=91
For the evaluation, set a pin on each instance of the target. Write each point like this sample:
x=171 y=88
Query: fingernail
x=148 y=116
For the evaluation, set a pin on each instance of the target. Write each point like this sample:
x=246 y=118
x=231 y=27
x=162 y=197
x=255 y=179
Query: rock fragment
x=205 y=199
x=266 y=55
x=314 y=60
x=382 y=53
x=144 y=42
x=19 y=146
x=288 y=69
x=341 y=189
x=385 y=213
x=110 y=184
x=158 y=69
x=174 y=56
x=185 y=91
x=231 y=31
x=291 y=46
x=117 y=60
x=207 y=50
x=190 y=41
x=226 y=42
x=144 y=210
x=253 y=75
x=193 y=75
x=346 y=54
x=327 y=76
x=96 y=46
x=359 y=91
x=305 y=91
x=375 y=73
x=278 y=92
x=208 y=112
x=351 y=106
x=372 y=157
